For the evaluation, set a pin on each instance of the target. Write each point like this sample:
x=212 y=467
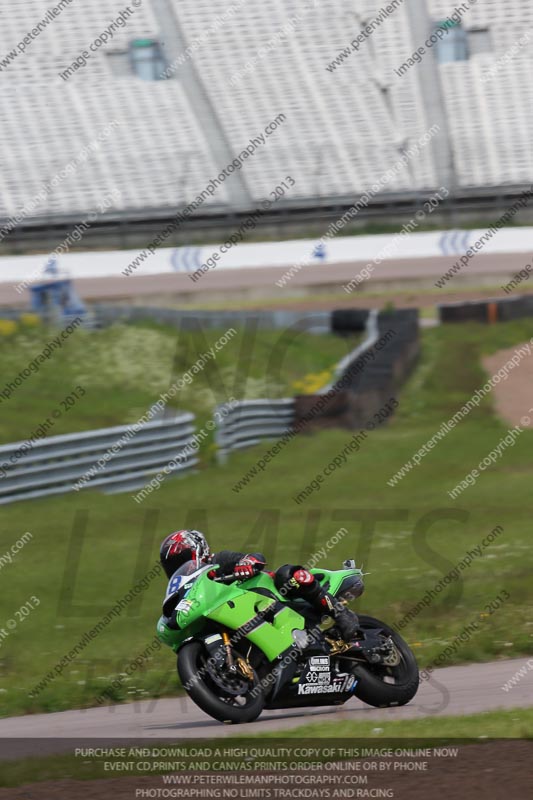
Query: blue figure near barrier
x=54 y=297
x=320 y=251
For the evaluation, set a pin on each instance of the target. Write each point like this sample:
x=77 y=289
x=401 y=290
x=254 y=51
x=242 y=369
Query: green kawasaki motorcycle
x=243 y=646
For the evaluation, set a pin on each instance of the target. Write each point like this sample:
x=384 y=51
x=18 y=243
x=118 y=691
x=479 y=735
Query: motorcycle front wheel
x=224 y=696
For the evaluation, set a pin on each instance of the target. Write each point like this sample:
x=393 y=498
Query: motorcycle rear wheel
x=383 y=686
x=206 y=694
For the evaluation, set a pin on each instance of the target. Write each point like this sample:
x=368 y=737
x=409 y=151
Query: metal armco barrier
x=316 y=322
x=73 y=462
x=369 y=376
x=55 y=465
x=370 y=322
x=251 y=421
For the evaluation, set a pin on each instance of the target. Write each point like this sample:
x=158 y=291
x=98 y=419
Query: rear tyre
x=381 y=685
x=209 y=696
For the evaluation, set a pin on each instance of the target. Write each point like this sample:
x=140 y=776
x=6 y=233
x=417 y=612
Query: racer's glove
x=247 y=567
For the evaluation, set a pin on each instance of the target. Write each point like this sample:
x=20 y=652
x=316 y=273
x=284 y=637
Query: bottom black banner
x=265 y=768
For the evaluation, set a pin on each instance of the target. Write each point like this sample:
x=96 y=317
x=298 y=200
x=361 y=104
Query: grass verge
x=123 y=370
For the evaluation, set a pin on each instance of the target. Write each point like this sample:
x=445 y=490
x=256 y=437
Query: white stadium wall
x=19 y=269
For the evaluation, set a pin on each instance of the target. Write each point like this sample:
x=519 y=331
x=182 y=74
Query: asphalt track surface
x=451 y=691
x=482 y=268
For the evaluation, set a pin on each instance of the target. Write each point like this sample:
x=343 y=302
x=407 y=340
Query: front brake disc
x=230 y=682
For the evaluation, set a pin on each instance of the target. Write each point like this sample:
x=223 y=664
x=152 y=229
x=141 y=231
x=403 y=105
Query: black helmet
x=182 y=546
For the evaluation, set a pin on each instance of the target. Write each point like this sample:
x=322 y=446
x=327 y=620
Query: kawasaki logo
x=340 y=684
x=317 y=688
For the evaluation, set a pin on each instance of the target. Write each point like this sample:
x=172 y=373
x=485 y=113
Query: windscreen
x=181 y=575
x=188 y=568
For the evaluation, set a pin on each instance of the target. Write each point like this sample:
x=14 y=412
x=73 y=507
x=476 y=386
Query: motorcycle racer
x=293 y=581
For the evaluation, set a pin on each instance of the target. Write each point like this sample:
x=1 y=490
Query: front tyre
x=208 y=691
x=383 y=685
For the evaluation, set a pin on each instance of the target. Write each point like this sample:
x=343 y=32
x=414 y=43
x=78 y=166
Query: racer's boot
x=346 y=621
x=310 y=589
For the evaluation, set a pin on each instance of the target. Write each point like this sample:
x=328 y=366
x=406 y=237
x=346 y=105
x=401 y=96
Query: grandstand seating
x=343 y=129
x=155 y=155
x=491 y=119
x=334 y=120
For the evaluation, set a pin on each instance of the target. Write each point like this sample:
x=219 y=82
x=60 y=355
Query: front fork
x=221 y=652
x=230 y=661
